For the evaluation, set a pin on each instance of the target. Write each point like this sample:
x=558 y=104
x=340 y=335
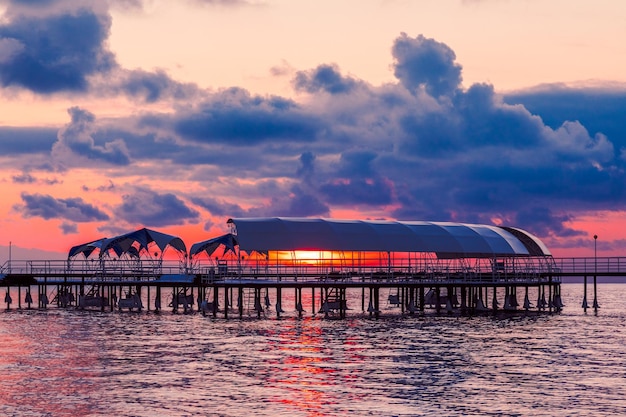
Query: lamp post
x=595 y=273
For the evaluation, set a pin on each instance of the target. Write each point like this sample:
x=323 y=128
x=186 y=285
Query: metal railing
x=510 y=270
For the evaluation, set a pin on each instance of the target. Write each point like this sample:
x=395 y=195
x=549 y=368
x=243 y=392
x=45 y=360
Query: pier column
x=7 y=298
x=595 y=293
x=550 y=298
x=257 y=302
x=226 y=302
x=299 y=307
x=343 y=303
x=215 y=300
x=325 y=300
x=157 y=299
x=585 y=305
x=240 y=301
x=463 y=299
x=377 y=302
x=279 y=297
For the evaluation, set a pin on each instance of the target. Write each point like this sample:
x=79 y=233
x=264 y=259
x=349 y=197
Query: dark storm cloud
x=26 y=140
x=423 y=62
x=422 y=146
x=598 y=109
x=545 y=223
x=324 y=78
x=234 y=117
x=77 y=138
x=355 y=181
x=152 y=209
x=48 y=207
x=153 y=86
x=59 y=55
x=294 y=201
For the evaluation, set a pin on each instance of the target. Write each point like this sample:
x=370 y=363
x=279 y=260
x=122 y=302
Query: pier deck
x=208 y=286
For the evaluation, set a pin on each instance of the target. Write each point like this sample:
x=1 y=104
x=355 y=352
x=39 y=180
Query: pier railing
x=539 y=269
x=591 y=266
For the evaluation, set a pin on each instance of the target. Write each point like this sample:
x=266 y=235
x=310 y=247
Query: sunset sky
x=176 y=115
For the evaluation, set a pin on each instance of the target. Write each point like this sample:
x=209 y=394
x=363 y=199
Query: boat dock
x=265 y=264
x=208 y=290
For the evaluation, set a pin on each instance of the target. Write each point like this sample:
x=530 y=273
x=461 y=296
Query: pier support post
x=377 y=302
x=585 y=305
x=240 y=301
x=595 y=293
x=279 y=297
x=226 y=302
x=215 y=300
x=463 y=299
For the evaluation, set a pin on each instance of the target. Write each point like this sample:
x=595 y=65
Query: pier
x=401 y=268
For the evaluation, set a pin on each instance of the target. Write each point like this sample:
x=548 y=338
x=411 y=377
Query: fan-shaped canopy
x=209 y=246
x=131 y=243
x=86 y=248
x=446 y=239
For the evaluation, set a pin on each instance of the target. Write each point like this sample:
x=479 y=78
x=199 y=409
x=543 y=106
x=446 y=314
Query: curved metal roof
x=446 y=239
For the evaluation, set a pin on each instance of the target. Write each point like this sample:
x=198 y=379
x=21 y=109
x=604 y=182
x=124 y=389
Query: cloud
x=77 y=138
x=324 y=78
x=152 y=209
x=545 y=223
x=148 y=86
x=54 y=58
x=422 y=62
x=597 y=108
x=48 y=207
x=69 y=228
x=420 y=147
x=234 y=117
x=26 y=140
x=27 y=178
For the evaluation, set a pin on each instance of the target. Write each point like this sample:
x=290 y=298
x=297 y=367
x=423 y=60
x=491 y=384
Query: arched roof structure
x=132 y=243
x=209 y=246
x=445 y=239
x=86 y=248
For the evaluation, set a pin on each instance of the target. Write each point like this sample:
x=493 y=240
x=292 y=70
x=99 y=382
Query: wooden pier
x=265 y=264
x=236 y=291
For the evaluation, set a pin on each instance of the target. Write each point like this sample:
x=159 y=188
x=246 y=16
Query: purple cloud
x=48 y=207
x=58 y=56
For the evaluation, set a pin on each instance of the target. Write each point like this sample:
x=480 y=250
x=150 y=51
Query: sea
x=71 y=362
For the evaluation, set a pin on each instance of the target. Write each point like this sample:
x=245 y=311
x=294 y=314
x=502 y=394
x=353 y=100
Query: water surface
x=88 y=363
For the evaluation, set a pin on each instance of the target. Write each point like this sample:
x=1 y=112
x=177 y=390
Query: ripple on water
x=68 y=362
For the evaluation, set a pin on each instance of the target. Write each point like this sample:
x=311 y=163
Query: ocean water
x=88 y=363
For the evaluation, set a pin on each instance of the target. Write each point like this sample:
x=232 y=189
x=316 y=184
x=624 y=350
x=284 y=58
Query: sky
x=177 y=115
